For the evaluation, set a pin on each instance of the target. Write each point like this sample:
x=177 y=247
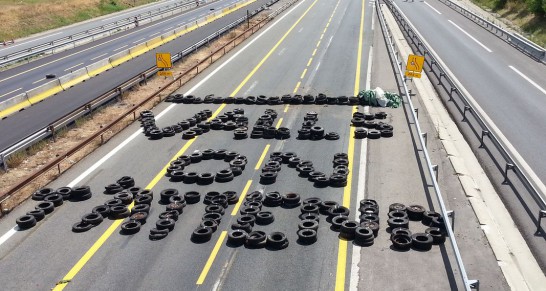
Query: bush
x=499 y=4
x=535 y=6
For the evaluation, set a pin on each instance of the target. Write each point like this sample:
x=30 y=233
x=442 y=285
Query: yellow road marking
x=303 y=74
x=241 y=198
x=314 y=52
x=286 y=108
x=297 y=86
x=318 y=43
x=342 y=249
x=321 y=36
x=309 y=62
x=262 y=157
x=211 y=258
x=279 y=123
x=271 y=51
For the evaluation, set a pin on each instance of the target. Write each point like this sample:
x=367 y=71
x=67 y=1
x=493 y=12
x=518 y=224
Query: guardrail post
x=416 y=112
x=484 y=133
x=435 y=169
x=425 y=137
x=3 y=163
x=451 y=93
x=451 y=213
x=541 y=215
x=52 y=129
x=433 y=62
x=509 y=166
x=474 y=284
x=466 y=108
x=442 y=74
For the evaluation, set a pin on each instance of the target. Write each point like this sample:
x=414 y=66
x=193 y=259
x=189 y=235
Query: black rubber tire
x=421 y=241
x=141 y=217
x=386 y=133
x=401 y=242
x=175 y=206
x=374 y=134
x=113 y=202
x=438 y=236
x=249 y=210
x=26 y=221
x=256 y=239
x=46 y=206
x=38 y=214
x=398 y=222
x=214 y=216
x=236 y=238
x=401 y=230
x=337 y=211
x=312 y=200
x=126 y=182
x=374 y=226
x=169 y=214
x=415 y=212
x=215 y=209
x=337 y=221
x=165 y=223
x=81 y=227
x=130 y=227
x=93 y=218
x=309 y=208
x=201 y=235
x=397 y=206
x=369 y=217
x=369 y=210
x=309 y=224
x=310 y=216
x=363 y=236
x=205 y=178
x=40 y=194
x=192 y=197
x=210 y=224
x=307 y=236
x=167 y=194
x=125 y=197
x=398 y=214
x=255 y=196
x=291 y=200
x=250 y=219
x=242 y=226
x=360 y=133
x=264 y=218
x=57 y=199
x=321 y=182
x=267 y=178
x=324 y=206
x=103 y=210
x=428 y=216
x=177 y=199
x=276 y=241
x=143 y=199
x=119 y=212
x=66 y=192
x=348 y=228
x=272 y=199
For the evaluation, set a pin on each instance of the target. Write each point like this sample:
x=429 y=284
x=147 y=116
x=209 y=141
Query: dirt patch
x=87 y=126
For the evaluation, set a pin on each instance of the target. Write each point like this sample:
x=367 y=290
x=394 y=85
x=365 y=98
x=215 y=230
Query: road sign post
x=163 y=61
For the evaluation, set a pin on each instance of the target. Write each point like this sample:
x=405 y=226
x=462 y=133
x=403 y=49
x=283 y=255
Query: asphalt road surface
x=28 y=76
x=314 y=47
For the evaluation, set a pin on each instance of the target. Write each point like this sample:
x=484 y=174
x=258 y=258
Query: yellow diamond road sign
x=163 y=60
x=415 y=63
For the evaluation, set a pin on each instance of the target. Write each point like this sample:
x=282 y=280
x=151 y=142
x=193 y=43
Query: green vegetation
x=528 y=15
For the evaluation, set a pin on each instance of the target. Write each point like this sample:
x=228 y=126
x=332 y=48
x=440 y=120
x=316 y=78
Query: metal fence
x=395 y=55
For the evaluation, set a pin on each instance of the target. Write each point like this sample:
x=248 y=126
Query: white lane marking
x=137 y=41
x=436 y=10
x=11 y=92
x=528 y=80
x=282 y=51
x=122 y=47
x=25 y=42
x=318 y=65
x=67 y=69
x=250 y=88
x=301 y=29
x=82 y=176
x=99 y=56
x=168 y=28
x=329 y=41
x=355 y=258
x=373 y=19
x=155 y=33
x=43 y=79
x=468 y=34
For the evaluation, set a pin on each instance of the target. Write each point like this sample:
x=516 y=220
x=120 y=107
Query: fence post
x=3 y=163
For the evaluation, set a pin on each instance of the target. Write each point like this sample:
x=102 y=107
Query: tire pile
x=401 y=236
x=50 y=199
x=217 y=203
x=320 y=99
x=306 y=170
x=310 y=131
x=263 y=128
x=197 y=125
x=367 y=126
x=176 y=173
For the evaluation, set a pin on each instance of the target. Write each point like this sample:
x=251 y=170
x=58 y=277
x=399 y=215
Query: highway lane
x=134 y=262
x=513 y=101
x=25 y=77
x=33 y=118
x=54 y=34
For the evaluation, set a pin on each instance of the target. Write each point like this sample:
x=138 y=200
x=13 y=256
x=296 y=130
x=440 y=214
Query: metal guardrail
x=85 y=109
x=80 y=38
x=483 y=131
x=393 y=51
x=518 y=41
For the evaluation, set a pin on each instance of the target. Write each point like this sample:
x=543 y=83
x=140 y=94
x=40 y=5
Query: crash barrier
x=120 y=58
x=518 y=41
x=137 y=50
x=98 y=67
x=153 y=43
x=73 y=78
x=41 y=92
x=13 y=104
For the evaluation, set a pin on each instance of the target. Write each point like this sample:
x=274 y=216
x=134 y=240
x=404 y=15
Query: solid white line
x=122 y=47
x=468 y=34
x=11 y=92
x=8 y=234
x=137 y=41
x=98 y=56
x=168 y=28
x=30 y=40
x=82 y=176
x=432 y=8
x=373 y=19
x=155 y=33
x=318 y=65
x=528 y=80
x=38 y=81
x=73 y=67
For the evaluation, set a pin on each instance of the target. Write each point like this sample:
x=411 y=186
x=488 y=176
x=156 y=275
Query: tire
x=307 y=236
x=291 y=200
x=167 y=194
x=256 y=239
x=310 y=208
x=38 y=214
x=205 y=179
x=81 y=227
x=337 y=221
x=309 y=224
x=178 y=207
x=81 y=193
x=119 y=212
x=192 y=197
x=415 y=212
x=26 y=221
x=166 y=223
x=249 y=211
x=125 y=197
x=401 y=242
x=113 y=202
x=268 y=178
x=276 y=241
x=398 y=214
x=236 y=237
x=369 y=217
x=126 y=182
x=386 y=133
x=360 y=133
x=264 y=218
x=348 y=228
x=201 y=235
x=190 y=177
x=242 y=226
x=422 y=241
x=310 y=216
x=337 y=211
x=374 y=134
x=143 y=199
x=93 y=218
x=312 y=201
x=321 y=182
x=369 y=210
x=210 y=224
x=57 y=199
x=374 y=226
x=130 y=227
x=364 y=236
x=141 y=217
x=437 y=234
x=401 y=230
x=215 y=209
x=66 y=192
x=324 y=206
x=250 y=219
x=255 y=196
x=177 y=199
x=232 y=197
x=398 y=222
x=169 y=214
x=331 y=136
x=397 y=206
x=428 y=216
x=40 y=194
x=214 y=216
x=103 y=210
x=46 y=206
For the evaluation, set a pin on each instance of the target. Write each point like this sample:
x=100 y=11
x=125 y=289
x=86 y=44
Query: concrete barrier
x=44 y=91
x=180 y=31
x=13 y=104
x=166 y=37
x=137 y=50
x=98 y=67
x=120 y=58
x=73 y=78
x=153 y=43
